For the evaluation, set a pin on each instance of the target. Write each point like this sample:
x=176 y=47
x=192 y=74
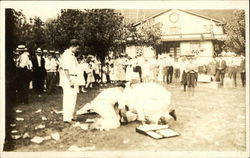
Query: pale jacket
x=149 y=100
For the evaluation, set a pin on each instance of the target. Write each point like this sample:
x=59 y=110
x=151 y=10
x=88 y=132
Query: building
x=186 y=32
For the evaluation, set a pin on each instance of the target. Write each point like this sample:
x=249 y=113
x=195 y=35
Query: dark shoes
x=172 y=113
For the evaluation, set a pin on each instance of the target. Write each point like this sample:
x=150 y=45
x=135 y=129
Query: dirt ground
x=211 y=120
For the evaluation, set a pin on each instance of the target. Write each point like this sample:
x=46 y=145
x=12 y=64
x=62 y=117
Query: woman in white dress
x=90 y=76
x=80 y=75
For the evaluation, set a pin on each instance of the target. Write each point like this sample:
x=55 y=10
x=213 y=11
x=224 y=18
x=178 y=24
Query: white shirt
x=170 y=61
x=69 y=62
x=38 y=60
x=236 y=61
x=24 y=60
x=176 y=64
x=50 y=65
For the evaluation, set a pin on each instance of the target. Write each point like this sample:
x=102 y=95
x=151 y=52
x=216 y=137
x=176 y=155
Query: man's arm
x=66 y=71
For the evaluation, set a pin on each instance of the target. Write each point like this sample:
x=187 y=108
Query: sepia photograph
x=125 y=79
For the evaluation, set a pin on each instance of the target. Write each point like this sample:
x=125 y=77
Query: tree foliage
x=98 y=30
x=36 y=37
x=145 y=34
x=102 y=31
x=235 y=30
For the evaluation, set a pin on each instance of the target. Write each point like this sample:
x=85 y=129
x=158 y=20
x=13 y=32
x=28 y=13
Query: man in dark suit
x=38 y=72
x=243 y=70
x=220 y=69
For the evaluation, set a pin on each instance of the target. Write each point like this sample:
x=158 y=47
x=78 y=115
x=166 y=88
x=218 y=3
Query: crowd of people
x=43 y=71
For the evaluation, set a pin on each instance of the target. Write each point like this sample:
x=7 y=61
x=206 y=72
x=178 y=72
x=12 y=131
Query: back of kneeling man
x=150 y=101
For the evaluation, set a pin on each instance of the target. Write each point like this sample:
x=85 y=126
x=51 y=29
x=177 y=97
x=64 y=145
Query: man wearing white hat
x=24 y=76
x=70 y=89
x=51 y=68
x=38 y=72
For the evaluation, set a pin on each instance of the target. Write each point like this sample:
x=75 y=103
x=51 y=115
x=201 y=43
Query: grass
x=211 y=120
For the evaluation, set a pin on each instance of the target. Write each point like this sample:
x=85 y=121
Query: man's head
x=50 y=56
x=38 y=52
x=15 y=54
x=168 y=118
x=74 y=45
x=45 y=52
x=21 y=49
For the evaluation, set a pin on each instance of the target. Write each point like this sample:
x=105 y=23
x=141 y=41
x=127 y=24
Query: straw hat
x=21 y=48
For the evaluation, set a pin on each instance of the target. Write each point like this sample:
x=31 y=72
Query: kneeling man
x=104 y=105
x=151 y=102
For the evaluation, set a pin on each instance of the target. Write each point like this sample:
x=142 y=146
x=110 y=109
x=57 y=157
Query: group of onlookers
x=45 y=70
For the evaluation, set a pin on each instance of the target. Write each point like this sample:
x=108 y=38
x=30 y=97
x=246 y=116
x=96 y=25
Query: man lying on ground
x=151 y=102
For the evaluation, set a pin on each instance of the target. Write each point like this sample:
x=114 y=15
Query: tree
x=102 y=31
x=146 y=34
x=235 y=30
x=21 y=28
x=36 y=37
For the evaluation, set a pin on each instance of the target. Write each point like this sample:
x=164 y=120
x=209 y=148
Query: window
x=195 y=48
x=211 y=29
x=208 y=28
x=174 y=30
x=205 y=30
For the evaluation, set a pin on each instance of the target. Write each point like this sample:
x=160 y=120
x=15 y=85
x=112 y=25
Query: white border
x=222 y=4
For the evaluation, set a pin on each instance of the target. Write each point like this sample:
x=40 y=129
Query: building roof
x=136 y=16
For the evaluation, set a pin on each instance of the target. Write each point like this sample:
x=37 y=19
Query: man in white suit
x=70 y=89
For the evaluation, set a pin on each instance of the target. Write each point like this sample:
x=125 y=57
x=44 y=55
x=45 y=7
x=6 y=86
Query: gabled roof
x=136 y=16
x=193 y=12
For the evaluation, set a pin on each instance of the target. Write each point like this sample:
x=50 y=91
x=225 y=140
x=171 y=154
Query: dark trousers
x=138 y=69
x=96 y=76
x=177 y=73
x=50 y=81
x=243 y=78
x=220 y=76
x=38 y=80
x=108 y=77
x=164 y=73
x=169 y=74
x=23 y=86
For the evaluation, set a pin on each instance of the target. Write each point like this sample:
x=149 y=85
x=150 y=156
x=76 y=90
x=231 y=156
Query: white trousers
x=110 y=119
x=69 y=102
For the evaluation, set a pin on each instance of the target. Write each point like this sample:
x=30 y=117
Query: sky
x=50 y=9
x=43 y=13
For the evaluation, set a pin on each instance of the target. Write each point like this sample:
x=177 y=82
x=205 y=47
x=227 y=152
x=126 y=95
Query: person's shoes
x=67 y=123
x=172 y=113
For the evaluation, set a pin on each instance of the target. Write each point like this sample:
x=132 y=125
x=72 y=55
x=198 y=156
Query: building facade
x=183 y=33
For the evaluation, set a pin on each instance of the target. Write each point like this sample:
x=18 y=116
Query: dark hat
x=74 y=42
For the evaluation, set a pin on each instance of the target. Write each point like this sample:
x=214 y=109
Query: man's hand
x=71 y=84
x=123 y=114
x=143 y=122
